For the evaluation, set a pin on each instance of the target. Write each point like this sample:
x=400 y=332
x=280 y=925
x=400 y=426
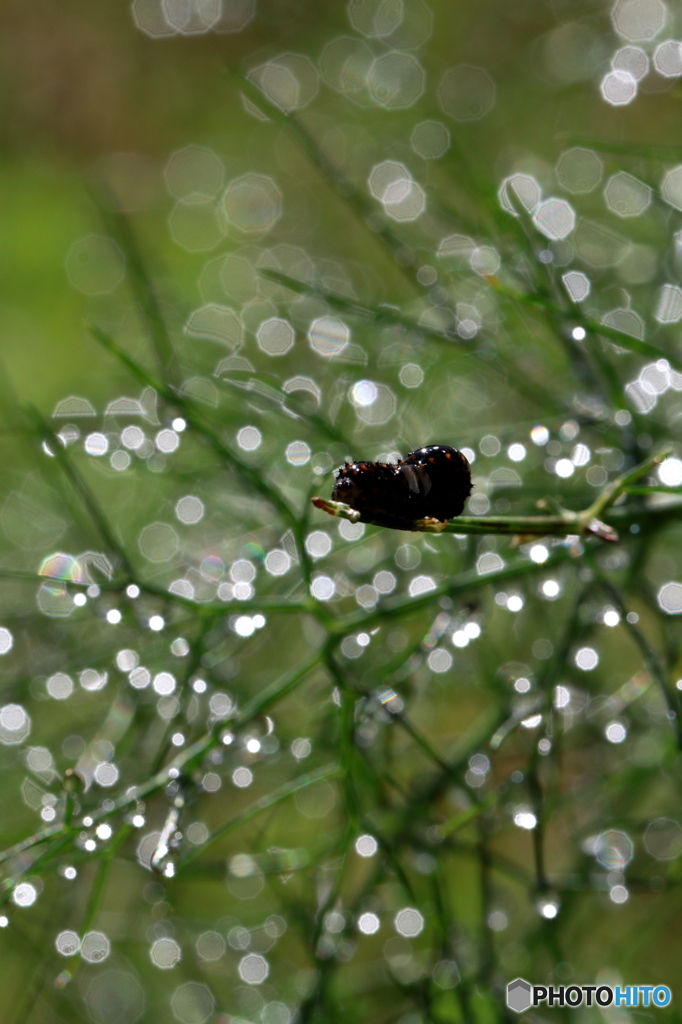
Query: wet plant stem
x=565 y=523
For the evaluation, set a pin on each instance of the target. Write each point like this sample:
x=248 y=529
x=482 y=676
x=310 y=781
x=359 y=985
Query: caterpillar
x=433 y=481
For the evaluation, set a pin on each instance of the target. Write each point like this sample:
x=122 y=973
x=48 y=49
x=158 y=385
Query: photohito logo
x=521 y=995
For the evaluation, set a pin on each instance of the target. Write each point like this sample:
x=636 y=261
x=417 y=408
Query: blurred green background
x=334 y=771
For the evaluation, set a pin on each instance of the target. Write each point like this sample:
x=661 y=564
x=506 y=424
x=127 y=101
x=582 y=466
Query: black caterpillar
x=434 y=481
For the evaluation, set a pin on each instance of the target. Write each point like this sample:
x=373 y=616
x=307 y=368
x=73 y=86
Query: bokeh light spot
x=586 y=658
x=24 y=894
x=345 y=64
x=252 y=203
x=670 y=472
x=210 y=945
x=253 y=969
x=376 y=18
x=216 y=323
x=421 y=585
x=167 y=440
x=669 y=304
x=663 y=838
x=633 y=59
x=525 y=818
x=411 y=375
x=539 y=553
x=519 y=190
x=396 y=80
x=323 y=587
x=614 y=849
x=165 y=953
x=195 y=224
x=318 y=544
x=439 y=660
x=275 y=337
x=242 y=777
x=328 y=336
x=670 y=598
x=297 y=453
x=554 y=218
x=668 y=58
x=194 y=170
x=189 y=510
x=369 y=923
x=277 y=562
x=191 y=17
x=615 y=732
x=59 y=686
x=249 y=438
x=671 y=187
x=466 y=93
x=618 y=88
x=95 y=947
x=639 y=20
x=158 y=542
x=366 y=845
x=6 y=640
x=409 y=922
x=627 y=196
x=577 y=285
x=579 y=170
x=15 y=725
x=96 y=444
x=192 y=1003
x=67 y=943
x=290 y=81
x=430 y=140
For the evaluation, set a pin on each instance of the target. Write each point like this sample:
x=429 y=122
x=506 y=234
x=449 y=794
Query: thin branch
x=251 y=474
x=83 y=491
x=374 y=314
x=565 y=524
x=577 y=316
x=671 y=696
x=143 y=289
x=264 y=803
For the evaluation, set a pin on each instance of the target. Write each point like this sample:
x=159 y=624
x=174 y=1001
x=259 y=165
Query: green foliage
x=265 y=765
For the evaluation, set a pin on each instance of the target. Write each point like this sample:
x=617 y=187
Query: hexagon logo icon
x=518 y=995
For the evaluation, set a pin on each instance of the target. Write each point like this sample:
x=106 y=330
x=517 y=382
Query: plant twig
x=193 y=416
x=88 y=499
x=576 y=315
x=564 y=524
x=264 y=803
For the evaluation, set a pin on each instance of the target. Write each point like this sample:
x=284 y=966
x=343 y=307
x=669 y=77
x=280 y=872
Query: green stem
x=143 y=290
x=194 y=418
x=612 y=492
x=576 y=315
x=265 y=803
x=83 y=491
x=96 y=894
x=565 y=524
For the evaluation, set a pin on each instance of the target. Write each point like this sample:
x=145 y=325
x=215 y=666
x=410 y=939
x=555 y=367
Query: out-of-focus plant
x=263 y=765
